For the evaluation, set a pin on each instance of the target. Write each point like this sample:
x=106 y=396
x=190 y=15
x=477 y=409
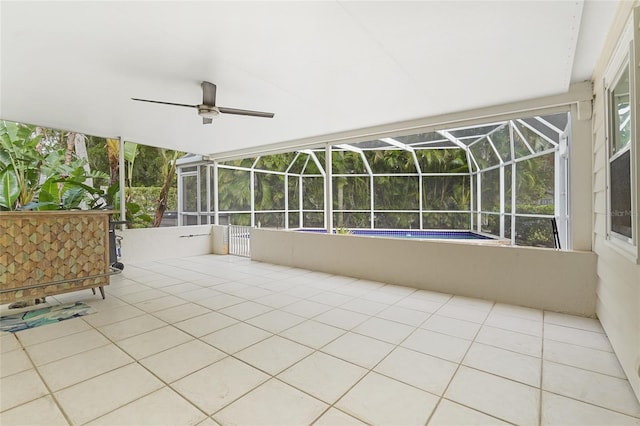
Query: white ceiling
x=322 y=67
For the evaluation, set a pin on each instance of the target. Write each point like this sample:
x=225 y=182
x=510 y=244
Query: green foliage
x=143 y=202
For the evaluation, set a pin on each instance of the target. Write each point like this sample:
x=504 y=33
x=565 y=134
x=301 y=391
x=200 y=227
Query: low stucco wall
x=149 y=244
x=561 y=281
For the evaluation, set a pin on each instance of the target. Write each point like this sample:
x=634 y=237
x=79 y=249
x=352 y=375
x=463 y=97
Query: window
x=621 y=121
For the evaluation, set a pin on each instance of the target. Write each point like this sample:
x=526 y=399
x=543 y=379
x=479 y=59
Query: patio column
x=123 y=207
x=328 y=185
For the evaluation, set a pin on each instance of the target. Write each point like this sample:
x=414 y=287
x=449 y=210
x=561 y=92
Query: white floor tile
x=342 y=318
x=219 y=384
x=417 y=369
x=141 y=296
x=331 y=299
x=323 y=376
x=14 y=362
x=449 y=413
x=245 y=310
x=578 y=356
x=385 y=330
x=131 y=327
x=97 y=396
x=273 y=403
x=277 y=300
x=63 y=347
x=83 y=366
x=573 y=321
x=502 y=398
x=595 y=388
x=274 y=354
x=306 y=308
x=520 y=325
x=404 y=315
x=205 y=324
x=48 y=332
x=181 y=312
x=363 y=306
x=20 y=388
x=382 y=401
x=518 y=312
x=437 y=344
x=42 y=411
x=236 y=337
x=335 y=417
x=312 y=333
x=160 y=303
x=452 y=327
x=177 y=362
x=574 y=336
x=275 y=321
x=560 y=411
x=164 y=407
x=151 y=342
x=463 y=313
x=220 y=301
x=510 y=340
x=114 y=315
x=9 y=342
x=361 y=350
x=508 y=364
x=420 y=304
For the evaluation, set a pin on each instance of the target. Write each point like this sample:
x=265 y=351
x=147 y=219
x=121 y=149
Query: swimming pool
x=411 y=234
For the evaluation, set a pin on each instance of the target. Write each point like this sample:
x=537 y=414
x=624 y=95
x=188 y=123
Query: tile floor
x=222 y=340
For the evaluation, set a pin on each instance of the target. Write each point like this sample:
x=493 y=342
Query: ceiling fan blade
x=246 y=112
x=208 y=93
x=164 y=103
x=206 y=120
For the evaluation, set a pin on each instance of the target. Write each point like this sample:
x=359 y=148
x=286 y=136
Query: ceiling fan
x=208 y=109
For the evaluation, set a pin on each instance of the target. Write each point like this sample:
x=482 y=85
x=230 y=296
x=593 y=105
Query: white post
x=123 y=207
x=216 y=209
x=328 y=201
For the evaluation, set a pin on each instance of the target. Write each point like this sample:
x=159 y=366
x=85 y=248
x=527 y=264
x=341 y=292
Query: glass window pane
x=534 y=231
x=347 y=162
x=621 y=111
x=535 y=185
x=391 y=161
x=446 y=193
x=535 y=141
x=190 y=193
x=203 y=188
x=212 y=193
x=294 y=220
x=396 y=192
x=188 y=220
x=269 y=191
x=484 y=154
x=519 y=147
x=313 y=220
x=294 y=192
x=351 y=193
x=507 y=226
x=502 y=141
x=242 y=219
x=446 y=221
x=490 y=185
x=275 y=162
x=351 y=220
x=507 y=188
x=397 y=220
x=620 y=170
x=234 y=190
x=490 y=224
x=313 y=193
x=442 y=160
x=270 y=220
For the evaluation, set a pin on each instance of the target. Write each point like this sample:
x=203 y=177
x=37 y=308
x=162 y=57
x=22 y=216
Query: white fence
x=239 y=240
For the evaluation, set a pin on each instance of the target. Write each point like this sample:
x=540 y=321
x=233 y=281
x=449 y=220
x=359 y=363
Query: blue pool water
x=408 y=233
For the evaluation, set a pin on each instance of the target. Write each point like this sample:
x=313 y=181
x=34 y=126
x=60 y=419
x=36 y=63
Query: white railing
x=239 y=240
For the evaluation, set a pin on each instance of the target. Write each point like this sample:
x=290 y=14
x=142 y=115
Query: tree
x=168 y=171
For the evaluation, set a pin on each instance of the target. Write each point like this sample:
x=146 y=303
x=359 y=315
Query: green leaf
x=9 y=188
x=130 y=151
x=144 y=217
x=72 y=198
x=132 y=208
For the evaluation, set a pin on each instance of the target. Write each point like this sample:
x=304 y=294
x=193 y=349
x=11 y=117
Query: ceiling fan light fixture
x=208 y=111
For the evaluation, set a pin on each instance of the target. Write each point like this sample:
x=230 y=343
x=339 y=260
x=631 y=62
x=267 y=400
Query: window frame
x=622 y=61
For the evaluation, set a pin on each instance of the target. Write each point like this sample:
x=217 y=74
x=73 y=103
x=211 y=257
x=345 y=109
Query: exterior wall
x=618 y=281
x=149 y=244
x=566 y=283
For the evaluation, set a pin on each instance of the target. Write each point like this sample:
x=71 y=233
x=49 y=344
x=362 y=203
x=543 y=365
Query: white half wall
x=149 y=244
x=561 y=281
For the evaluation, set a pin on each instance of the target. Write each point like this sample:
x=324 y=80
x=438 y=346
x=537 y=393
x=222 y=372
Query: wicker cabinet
x=47 y=253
